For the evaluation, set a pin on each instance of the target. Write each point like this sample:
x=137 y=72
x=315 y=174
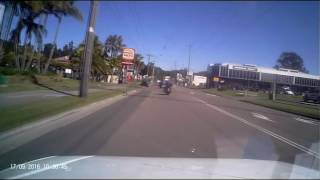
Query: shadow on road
x=165 y=97
x=55 y=90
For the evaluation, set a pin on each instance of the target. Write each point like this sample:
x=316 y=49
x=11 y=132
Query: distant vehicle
x=145 y=82
x=167 y=87
x=312 y=96
x=167 y=78
x=286 y=90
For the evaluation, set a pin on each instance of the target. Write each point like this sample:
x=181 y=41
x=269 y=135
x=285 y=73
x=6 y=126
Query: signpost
x=127 y=59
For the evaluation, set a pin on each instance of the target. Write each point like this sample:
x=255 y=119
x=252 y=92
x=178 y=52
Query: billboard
x=128 y=54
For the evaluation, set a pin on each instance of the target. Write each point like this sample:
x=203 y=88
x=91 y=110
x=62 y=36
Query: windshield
x=195 y=81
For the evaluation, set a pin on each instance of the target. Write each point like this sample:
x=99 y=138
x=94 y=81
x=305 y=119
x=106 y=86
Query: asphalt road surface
x=187 y=123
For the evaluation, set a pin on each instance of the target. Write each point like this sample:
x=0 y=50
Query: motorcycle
x=167 y=90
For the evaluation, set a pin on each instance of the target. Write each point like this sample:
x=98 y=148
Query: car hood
x=64 y=167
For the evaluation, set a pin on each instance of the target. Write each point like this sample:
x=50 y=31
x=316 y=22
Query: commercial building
x=247 y=76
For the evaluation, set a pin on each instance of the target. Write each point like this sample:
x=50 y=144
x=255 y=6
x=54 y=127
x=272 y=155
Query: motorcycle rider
x=167 y=86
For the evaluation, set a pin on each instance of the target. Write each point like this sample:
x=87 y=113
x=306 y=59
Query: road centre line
x=281 y=138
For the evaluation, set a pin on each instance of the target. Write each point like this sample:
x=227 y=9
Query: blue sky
x=239 y=32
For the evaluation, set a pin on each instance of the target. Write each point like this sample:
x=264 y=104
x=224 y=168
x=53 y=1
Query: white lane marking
x=305 y=121
x=260 y=116
x=211 y=94
x=45 y=169
x=283 y=139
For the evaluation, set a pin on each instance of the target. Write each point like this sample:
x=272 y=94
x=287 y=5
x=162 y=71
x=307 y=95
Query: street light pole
x=189 y=79
x=153 y=70
x=189 y=59
x=87 y=56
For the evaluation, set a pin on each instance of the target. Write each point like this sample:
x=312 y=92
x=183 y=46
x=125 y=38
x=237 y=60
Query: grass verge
x=18 y=115
x=299 y=109
x=284 y=103
x=18 y=83
x=228 y=92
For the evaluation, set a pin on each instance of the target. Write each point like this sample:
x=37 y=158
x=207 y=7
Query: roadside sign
x=128 y=54
x=68 y=71
x=215 y=79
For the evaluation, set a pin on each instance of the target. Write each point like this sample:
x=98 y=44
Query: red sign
x=128 y=54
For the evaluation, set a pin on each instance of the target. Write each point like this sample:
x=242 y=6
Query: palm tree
x=37 y=31
x=60 y=9
x=113 y=46
x=21 y=9
x=31 y=29
x=138 y=62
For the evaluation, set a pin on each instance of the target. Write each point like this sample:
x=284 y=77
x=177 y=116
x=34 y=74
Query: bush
x=222 y=88
x=8 y=71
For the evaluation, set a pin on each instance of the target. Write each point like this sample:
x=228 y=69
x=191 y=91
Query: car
x=286 y=90
x=313 y=95
x=145 y=82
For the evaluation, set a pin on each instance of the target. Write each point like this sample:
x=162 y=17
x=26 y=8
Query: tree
x=138 y=62
x=113 y=46
x=291 y=60
x=100 y=67
x=31 y=29
x=27 y=12
x=61 y=9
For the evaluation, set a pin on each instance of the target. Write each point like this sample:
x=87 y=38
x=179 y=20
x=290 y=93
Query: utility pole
x=274 y=87
x=87 y=56
x=153 y=70
x=189 y=79
x=148 y=65
x=189 y=59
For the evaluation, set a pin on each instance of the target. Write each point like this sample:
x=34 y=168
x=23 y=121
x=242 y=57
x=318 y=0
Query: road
x=187 y=123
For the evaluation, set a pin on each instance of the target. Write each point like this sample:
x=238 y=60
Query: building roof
x=281 y=71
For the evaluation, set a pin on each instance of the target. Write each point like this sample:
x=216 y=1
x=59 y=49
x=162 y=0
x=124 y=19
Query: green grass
x=221 y=93
x=18 y=115
x=286 y=106
x=284 y=103
x=228 y=92
x=57 y=82
x=282 y=97
x=18 y=83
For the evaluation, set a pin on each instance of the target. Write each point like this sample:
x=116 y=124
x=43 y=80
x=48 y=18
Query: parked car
x=286 y=90
x=313 y=95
